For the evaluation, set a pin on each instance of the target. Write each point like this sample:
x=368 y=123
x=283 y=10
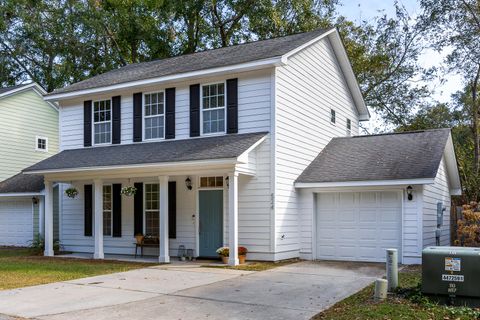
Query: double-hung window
x=349 y=127
x=213 y=108
x=107 y=210
x=102 y=122
x=154 y=115
x=152 y=209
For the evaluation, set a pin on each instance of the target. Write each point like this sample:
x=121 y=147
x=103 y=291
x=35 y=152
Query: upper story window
x=41 y=144
x=107 y=210
x=332 y=116
x=213 y=108
x=102 y=122
x=154 y=115
x=349 y=127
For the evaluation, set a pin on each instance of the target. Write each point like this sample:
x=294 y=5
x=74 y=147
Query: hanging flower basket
x=128 y=191
x=71 y=192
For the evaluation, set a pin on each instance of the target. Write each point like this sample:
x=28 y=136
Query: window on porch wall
x=107 y=210
x=152 y=210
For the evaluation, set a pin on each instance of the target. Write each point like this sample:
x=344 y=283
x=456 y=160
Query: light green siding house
x=26 y=120
x=29 y=134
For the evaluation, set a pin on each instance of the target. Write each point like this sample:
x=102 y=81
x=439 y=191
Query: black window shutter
x=172 y=209
x=138 y=209
x=232 y=105
x=117 y=210
x=88 y=210
x=170 y=113
x=87 y=123
x=194 y=110
x=116 y=119
x=137 y=117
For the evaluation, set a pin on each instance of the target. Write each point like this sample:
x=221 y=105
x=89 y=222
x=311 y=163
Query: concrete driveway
x=296 y=291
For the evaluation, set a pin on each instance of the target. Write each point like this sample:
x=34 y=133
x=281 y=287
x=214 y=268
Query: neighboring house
x=216 y=144
x=29 y=134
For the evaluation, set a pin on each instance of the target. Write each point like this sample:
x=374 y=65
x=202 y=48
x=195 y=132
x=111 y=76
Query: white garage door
x=16 y=222
x=358 y=226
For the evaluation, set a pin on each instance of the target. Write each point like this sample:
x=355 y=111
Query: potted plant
x=128 y=191
x=242 y=254
x=71 y=192
x=224 y=252
x=139 y=237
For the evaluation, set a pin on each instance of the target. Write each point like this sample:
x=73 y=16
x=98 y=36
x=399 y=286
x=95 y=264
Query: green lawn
x=407 y=303
x=20 y=268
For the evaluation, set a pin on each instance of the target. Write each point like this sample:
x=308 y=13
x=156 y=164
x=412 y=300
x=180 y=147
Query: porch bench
x=146 y=243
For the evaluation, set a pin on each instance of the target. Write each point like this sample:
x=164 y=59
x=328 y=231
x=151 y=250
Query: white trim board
x=370 y=183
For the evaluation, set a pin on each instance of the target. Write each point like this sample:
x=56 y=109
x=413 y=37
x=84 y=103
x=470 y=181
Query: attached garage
x=16 y=222
x=365 y=194
x=358 y=226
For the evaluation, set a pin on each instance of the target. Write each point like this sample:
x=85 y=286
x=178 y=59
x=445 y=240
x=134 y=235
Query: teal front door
x=211 y=222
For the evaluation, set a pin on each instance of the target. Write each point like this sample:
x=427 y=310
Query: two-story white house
x=215 y=144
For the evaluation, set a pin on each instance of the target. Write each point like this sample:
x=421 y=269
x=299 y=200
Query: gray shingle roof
x=220 y=147
x=409 y=155
x=21 y=183
x=208 y=59
x=6 y=89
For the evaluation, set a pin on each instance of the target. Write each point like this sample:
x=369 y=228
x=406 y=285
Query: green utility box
x=452 y=275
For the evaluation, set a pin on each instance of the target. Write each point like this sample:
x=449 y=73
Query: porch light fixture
x=35 y=200
x=188 y=183
x=227 y=181
x=409 y=193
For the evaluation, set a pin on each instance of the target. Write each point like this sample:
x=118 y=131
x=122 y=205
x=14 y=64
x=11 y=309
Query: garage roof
x=394 y=156
x=22 y=183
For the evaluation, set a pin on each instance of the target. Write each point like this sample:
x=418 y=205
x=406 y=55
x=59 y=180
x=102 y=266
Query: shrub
x=468 y=228
x=38 y=245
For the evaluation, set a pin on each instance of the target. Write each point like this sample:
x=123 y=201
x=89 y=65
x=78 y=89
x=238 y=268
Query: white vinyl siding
x=24 y=116
x=307 y=89
x=433 y=193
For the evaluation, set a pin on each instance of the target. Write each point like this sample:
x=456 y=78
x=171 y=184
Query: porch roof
x=230 y=146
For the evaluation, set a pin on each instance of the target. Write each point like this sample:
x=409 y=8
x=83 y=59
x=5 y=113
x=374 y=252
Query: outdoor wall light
x=35 y=200
x=409 y=193
x=188 y=183
x=227 y=182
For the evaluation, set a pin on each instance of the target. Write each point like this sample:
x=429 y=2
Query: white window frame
x=36 y=143
x=143 y=115
x=111 y=210
x=349 y=130
x=110 y=121
x=333 y=114
x=218 y=108
x=145 y=207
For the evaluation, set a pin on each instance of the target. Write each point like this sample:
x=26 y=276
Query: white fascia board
x=21 y=194
x=138 y=166
x=452 y=167
x=248 y=66
x=341 y=54
x=371 y=183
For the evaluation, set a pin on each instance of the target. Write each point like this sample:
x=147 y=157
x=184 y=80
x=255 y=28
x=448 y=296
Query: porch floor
x=145 y=259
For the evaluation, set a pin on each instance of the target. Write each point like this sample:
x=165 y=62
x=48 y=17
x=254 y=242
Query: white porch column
x=164 y=256
x=98 y=225
x=48 y=219
x=233 y=218
x=41 y=216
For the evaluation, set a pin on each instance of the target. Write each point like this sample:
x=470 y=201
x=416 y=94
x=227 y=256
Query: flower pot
x=241 y=259
x=225 y=260
x=139 y=239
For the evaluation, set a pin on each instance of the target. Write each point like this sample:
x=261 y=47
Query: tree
x=455 y=24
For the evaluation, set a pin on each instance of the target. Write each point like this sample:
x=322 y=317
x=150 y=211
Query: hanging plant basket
x=71 y=192
x=128 y=191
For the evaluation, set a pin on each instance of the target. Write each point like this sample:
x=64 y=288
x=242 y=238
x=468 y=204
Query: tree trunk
x=475 y=126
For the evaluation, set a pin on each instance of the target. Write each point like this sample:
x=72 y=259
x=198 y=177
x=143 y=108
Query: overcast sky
x=358 y=10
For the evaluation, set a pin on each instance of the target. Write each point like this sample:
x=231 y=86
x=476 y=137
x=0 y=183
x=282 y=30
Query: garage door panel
x=16 y=222
x=360 y=228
